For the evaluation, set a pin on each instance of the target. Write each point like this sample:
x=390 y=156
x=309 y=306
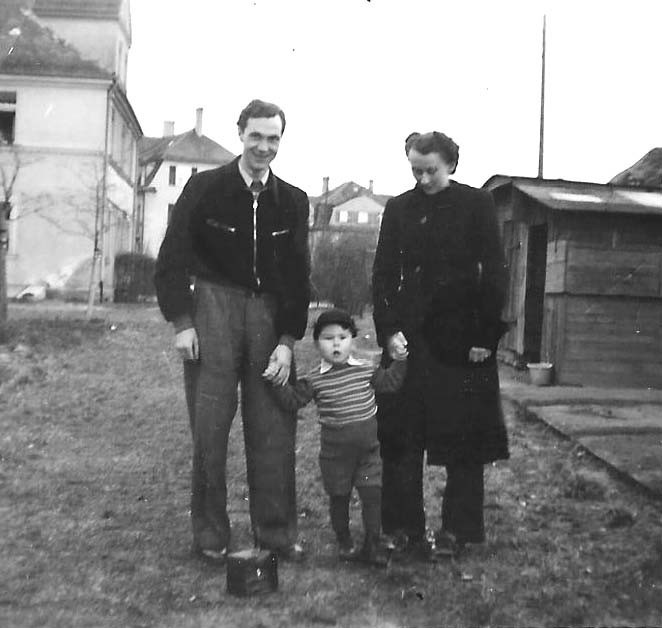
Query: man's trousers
x=236 y=332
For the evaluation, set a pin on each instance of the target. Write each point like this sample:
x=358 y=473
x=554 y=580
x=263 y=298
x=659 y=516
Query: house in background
x=330 y=207
x=343 y=237
x=585 y=293
x=166 y=164
x=70 y=136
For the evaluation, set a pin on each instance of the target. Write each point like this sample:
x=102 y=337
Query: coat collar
x=234 y=183
x=326 y=366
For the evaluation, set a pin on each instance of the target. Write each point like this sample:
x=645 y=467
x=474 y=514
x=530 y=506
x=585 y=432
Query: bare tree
x=8 y=175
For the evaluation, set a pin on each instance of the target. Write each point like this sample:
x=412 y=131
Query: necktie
x=256 y=187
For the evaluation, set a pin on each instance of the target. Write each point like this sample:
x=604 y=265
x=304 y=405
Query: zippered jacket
x=218 y=233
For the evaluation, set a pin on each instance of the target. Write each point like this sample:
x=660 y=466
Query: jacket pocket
x=215 y=224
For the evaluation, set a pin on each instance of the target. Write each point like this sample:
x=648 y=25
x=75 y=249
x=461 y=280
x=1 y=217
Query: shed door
x=536 y=266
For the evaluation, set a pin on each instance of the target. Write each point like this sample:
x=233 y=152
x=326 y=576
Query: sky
x=355 y=77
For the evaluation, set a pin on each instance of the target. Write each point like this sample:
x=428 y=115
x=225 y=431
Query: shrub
x=134 y=277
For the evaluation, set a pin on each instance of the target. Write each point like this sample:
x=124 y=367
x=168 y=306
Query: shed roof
x=27 y=48
x=562 y=195
x=188 y=147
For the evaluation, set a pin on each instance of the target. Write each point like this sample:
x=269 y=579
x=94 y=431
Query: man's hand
x=278 y=369
x=186 y=343
x=479 y=354
x=397 y=346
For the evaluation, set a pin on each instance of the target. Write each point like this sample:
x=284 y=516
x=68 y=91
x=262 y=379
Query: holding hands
x=278 y=369
x=397 y=346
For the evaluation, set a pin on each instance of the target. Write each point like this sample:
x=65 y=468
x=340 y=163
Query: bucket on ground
x=541 y=373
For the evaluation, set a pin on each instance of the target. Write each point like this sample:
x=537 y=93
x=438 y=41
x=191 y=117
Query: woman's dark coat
x=439 y=277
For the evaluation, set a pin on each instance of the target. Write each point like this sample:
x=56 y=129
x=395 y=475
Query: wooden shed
x=585 y=264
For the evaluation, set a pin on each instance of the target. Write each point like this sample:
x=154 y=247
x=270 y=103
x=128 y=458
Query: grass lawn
x=94 y=488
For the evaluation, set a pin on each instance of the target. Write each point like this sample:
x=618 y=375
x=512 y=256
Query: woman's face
x=431 y=171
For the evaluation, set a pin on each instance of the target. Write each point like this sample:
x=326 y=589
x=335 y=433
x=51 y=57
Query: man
x=232 y=275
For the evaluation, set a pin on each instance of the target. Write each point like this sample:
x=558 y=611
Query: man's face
x=261 y=139
x=335 y=344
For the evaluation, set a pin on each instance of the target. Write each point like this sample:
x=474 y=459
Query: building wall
x=59 y=143
x=58 y=114
x=156 y=202
x=361 y=210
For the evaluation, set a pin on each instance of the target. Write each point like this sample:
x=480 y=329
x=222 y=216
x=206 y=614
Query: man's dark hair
x=440 y=143
x=260 y=109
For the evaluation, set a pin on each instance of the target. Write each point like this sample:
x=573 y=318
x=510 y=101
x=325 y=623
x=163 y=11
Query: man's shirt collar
x=326 y=366
x=248 y=179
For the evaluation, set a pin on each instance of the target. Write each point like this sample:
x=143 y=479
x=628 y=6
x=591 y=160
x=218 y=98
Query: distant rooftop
x=91 y=9
x=345 y=192
x=647 y=172
x=187 y=147
x=30 y=49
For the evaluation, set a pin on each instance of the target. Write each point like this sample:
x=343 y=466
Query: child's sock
x=339 y=509
x=371 y=502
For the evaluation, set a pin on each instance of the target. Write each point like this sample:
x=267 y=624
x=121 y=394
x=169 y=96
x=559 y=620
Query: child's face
x=335 y=344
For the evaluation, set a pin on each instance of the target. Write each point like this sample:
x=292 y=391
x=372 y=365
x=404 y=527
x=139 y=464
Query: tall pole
x=541 y=147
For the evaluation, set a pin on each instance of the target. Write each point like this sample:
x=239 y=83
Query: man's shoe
x=213 y=556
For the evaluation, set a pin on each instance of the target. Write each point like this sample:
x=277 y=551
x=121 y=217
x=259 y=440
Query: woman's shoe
x=446 y=545
x=347 y=550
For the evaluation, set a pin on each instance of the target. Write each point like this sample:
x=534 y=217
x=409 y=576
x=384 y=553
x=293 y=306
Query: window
x=363 y=218
x=194 y=170
x=172 y=175
x=343 y=216
x=7 y=116
x=171 y=208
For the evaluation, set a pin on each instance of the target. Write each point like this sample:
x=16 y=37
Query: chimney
x=325 y=185
x=168 y=128
x=370 y=186
x=198 y=121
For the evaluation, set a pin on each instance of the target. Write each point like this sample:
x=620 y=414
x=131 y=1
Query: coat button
x=417 y=269
x=424 y=220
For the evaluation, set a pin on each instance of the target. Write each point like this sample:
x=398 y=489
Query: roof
x=345 y=192
x=27 y=48
x=94 y=9
x=647 y=172
x=563 y=195
x=188 y=147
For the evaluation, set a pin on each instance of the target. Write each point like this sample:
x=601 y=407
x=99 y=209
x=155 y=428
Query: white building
x=166 y=164
x=71 y=136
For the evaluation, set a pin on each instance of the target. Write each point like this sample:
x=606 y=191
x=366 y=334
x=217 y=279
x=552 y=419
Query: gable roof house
x=165 y=165
x=585 y=266
x=70 y=136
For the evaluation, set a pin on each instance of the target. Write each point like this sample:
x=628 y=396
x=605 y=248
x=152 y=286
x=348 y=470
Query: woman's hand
x=397 y=346
x=479 y=354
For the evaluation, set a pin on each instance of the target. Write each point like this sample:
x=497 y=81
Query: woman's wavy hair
x=440 y=143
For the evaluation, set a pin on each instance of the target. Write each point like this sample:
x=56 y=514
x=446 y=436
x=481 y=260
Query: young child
x=343 y=389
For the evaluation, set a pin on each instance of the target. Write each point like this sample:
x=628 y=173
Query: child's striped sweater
x=344 y=393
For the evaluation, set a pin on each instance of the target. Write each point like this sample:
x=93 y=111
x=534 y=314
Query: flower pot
x=541 y=373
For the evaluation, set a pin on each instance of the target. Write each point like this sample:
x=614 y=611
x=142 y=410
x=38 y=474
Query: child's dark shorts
x=349 y=457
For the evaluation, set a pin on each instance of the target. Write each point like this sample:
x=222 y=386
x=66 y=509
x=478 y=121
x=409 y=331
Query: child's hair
x=334 y=316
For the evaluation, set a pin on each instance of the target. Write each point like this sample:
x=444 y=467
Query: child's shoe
x=347 y=549
x=375 y=553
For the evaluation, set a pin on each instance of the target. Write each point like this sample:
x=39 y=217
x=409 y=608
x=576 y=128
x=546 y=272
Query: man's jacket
x=217 y=233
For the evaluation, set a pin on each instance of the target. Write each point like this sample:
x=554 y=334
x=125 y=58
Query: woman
x=438 y=288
